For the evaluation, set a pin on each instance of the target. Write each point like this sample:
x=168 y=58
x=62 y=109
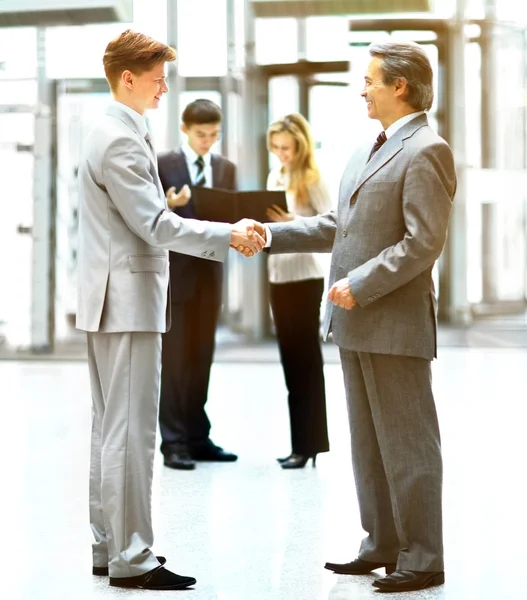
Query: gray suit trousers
x=396 y=454
x=125 y=378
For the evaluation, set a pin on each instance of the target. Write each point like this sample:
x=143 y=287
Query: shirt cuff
x=268 y=236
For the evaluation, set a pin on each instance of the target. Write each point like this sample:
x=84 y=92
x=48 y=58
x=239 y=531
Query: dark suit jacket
x=185 y=270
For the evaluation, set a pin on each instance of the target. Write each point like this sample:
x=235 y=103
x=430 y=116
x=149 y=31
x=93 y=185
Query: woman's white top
x=284 y=268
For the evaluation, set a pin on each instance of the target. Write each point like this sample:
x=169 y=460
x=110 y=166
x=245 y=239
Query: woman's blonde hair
x=304 y=170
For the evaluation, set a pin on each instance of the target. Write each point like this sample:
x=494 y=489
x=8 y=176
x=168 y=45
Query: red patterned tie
x=381 y=138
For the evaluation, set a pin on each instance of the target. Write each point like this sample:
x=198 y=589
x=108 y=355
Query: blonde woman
x=296 y=287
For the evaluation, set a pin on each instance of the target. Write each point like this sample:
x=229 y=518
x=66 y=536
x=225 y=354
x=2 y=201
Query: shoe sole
x=218 y=460
x=181 y=468
x=389 y=571
x=178 y=586
x=436 y=580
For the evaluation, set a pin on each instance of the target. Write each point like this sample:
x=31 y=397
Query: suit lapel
x=389 y=149
x=123 y=116
x=353 y=172
x=217 y=171
x=180 y=164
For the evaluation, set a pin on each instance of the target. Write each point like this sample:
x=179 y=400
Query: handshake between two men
x=248 y=237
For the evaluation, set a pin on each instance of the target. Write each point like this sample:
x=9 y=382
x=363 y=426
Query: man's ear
x=401 y=86
x=127 y=77
x=184 y=128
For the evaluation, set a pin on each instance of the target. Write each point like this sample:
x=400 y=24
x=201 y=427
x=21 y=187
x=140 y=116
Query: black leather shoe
x=359 y=567
x=157 y=579
x=211 y=452
x=408 y=581
x=179 y=460
x=103 y=571
x=297 y=461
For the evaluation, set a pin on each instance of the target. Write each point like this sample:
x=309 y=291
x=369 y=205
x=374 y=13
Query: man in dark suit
x=188 y=346
x=394 y=205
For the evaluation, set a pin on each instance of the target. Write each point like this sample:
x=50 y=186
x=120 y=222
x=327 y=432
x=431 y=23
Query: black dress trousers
x=296 y=314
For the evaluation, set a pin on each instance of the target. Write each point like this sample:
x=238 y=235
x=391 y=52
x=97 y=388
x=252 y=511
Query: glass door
x=78 y=105
x=16 y=243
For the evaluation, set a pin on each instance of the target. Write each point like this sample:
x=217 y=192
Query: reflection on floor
x=250 y=531
x=488 y=332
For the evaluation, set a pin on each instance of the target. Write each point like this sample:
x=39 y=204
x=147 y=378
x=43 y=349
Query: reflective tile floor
x=250 y=531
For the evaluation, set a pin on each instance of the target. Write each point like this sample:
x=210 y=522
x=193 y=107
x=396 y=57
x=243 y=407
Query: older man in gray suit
x=390 y=227
x=125 y=233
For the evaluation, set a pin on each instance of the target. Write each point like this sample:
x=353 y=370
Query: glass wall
x=18 y=95
x=202 y=38
x=214 y=39
x=71 y=52
x=497 y=209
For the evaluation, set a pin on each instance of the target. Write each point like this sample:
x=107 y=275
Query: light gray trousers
x=125 y=378
x=396 y=454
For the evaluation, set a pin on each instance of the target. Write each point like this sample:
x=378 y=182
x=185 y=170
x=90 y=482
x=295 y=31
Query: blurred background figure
x=196 y=294
x=296 y=287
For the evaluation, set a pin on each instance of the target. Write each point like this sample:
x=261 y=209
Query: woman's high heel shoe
x=297 y=461
x=283 y=460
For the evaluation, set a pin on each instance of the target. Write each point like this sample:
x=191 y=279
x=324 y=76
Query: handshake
x=248 y=237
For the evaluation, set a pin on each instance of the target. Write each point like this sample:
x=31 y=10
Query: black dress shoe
x=408 y=581
x=179 y=460
x=211 y=452
x=297 y=461
x=103 y=571
x=157 y=579
x=359 y=567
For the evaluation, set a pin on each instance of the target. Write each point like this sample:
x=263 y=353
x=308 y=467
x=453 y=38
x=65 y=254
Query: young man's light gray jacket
x=126 y=230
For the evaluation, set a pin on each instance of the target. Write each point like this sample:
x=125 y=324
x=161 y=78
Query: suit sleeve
x=304 y=234
x=131 y=188
x=429 y=186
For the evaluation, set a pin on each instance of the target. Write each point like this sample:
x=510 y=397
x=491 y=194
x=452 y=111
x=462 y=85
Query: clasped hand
x=248 y=237
x=340 y=294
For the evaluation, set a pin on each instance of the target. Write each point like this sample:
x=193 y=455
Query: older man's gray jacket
x=389 y=229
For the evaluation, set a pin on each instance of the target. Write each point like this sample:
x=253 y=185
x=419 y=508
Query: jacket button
x=345 y=233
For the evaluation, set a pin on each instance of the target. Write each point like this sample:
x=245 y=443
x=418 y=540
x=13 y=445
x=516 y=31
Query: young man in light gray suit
x=125 y=233
x=390 y=228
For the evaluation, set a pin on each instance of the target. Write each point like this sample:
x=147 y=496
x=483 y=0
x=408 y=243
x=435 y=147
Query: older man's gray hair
x=406 y=60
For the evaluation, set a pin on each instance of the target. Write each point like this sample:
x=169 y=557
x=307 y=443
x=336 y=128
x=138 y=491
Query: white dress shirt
x=284 y=268
x=400 y=122
x=138 y=119
x=191 y=157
